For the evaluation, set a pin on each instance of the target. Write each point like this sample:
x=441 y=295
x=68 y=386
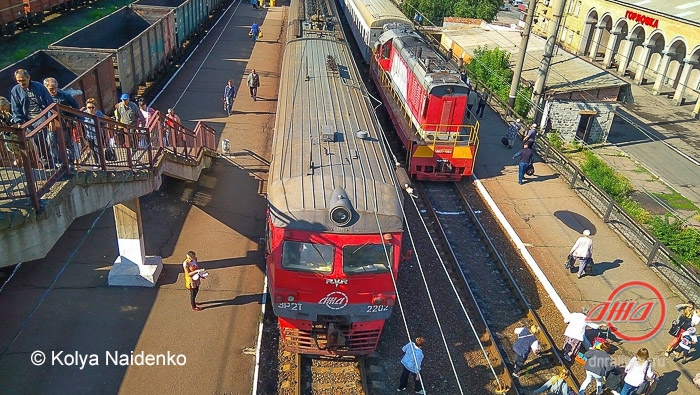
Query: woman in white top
x=638 y=371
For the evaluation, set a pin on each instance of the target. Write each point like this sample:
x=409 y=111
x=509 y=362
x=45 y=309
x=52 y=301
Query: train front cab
x=331 y=293
x=435 y=152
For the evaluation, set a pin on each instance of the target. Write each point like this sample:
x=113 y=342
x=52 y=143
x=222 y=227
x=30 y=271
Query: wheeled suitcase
x=589 y=267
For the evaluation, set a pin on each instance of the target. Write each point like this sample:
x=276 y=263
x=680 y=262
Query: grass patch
x=677 y=201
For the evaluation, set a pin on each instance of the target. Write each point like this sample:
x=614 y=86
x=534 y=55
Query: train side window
x=366 y=258
x=385 y=50
x=307 y=257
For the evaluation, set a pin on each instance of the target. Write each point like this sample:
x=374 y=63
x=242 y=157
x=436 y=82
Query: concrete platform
x=547 y=217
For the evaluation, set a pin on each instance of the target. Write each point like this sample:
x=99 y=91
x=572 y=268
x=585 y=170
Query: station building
x=655 y=43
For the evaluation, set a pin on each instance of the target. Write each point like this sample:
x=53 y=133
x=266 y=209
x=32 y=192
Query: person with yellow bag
x=254 y=31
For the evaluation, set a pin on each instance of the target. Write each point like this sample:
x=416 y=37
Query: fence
x=62 y=140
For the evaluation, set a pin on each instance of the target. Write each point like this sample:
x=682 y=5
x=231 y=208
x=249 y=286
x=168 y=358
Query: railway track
x=312 y=375
x=489 y=293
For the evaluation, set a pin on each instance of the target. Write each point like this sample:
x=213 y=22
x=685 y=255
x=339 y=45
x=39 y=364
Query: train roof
x=315 y=150
x=378 y=13
x=431 y=68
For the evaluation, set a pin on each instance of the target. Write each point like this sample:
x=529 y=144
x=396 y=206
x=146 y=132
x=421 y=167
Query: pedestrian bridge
x=38 y=203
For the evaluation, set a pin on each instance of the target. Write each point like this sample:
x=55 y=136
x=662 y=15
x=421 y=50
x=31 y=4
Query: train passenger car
x=367 y=19
x=334 y=215
x=427 y=102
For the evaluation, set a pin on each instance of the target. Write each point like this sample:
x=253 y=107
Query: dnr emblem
x=335 y=300
x=336 y=281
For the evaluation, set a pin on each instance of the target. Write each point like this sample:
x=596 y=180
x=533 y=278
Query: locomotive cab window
x=366 y=258
x=307 y=257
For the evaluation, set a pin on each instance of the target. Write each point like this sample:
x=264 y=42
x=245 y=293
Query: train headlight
x=290 y=298
x=340 y=215
x=340 y=208
x=378 y=301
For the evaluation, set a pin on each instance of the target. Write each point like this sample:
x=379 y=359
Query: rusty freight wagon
x=139 y=41
x=89 y=73
x=189 y=15
x=35 y=10
x=11 y=13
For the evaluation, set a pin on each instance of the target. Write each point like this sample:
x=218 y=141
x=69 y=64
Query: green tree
x=492 y=68
x=436 y=10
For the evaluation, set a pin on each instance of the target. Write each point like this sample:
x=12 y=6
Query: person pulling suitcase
x=583 y=251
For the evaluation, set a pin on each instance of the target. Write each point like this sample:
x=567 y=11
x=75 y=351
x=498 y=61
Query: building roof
x=568 y=72
x=688 y=10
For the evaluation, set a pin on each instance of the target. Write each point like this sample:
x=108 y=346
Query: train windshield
x=366 y=258
x=307 y=257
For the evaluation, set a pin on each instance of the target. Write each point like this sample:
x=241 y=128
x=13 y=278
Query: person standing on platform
x=530 y=135
x=253 y=84
x=583 y=251
x=471 y=101
x=229 y=95
x=638 y=371
x=526 y=342
x=575 y=334
x=483 y=99
x=526 y=157
x=192 y=280
x=254 y=30
x=683 y=321
x=513 y=130
x=411 y=361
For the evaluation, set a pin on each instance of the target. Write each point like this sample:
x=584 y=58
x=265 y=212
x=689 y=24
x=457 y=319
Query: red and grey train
x=422 y=91
x=335 y=219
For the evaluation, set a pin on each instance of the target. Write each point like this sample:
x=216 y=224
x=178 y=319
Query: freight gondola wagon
x=139 y=41
x=82 y=74
x=189 y=15
x=11 y=13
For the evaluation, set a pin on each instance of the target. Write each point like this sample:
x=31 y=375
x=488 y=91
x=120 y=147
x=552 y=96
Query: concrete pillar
x=610 y=49
x=596 y=41
x=625 y=55
x=132 y=268
x=661 y=72
x=643 y=63
x=696 y=109
x=683 y=82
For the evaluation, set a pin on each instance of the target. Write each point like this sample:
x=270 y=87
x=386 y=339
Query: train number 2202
x=290 y=306
x=377 y=309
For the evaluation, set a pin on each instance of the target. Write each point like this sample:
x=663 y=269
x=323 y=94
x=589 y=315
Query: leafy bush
x=555 y=140
x=679 y=238
x=599 y=172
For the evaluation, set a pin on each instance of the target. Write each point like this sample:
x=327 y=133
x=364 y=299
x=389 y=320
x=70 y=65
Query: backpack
x=614 y=378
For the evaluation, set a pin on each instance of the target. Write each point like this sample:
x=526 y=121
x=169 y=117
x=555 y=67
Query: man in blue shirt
x=27 y=99
x=229 y=95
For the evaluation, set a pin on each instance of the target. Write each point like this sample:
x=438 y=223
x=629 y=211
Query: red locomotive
x=334 y=218
x=427 y=102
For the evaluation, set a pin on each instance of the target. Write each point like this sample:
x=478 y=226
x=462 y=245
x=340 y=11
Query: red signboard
x=641 y=18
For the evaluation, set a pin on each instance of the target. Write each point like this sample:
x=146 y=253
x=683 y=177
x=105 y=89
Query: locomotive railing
x=32 y=162
x=442 y=134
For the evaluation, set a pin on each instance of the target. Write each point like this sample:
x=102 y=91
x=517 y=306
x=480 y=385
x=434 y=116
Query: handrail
x=81 y=140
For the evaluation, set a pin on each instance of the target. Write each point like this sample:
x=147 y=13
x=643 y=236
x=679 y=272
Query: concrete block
x=125 y=273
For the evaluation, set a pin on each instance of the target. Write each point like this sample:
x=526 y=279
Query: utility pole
x=550 y=45
x=521 y=55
